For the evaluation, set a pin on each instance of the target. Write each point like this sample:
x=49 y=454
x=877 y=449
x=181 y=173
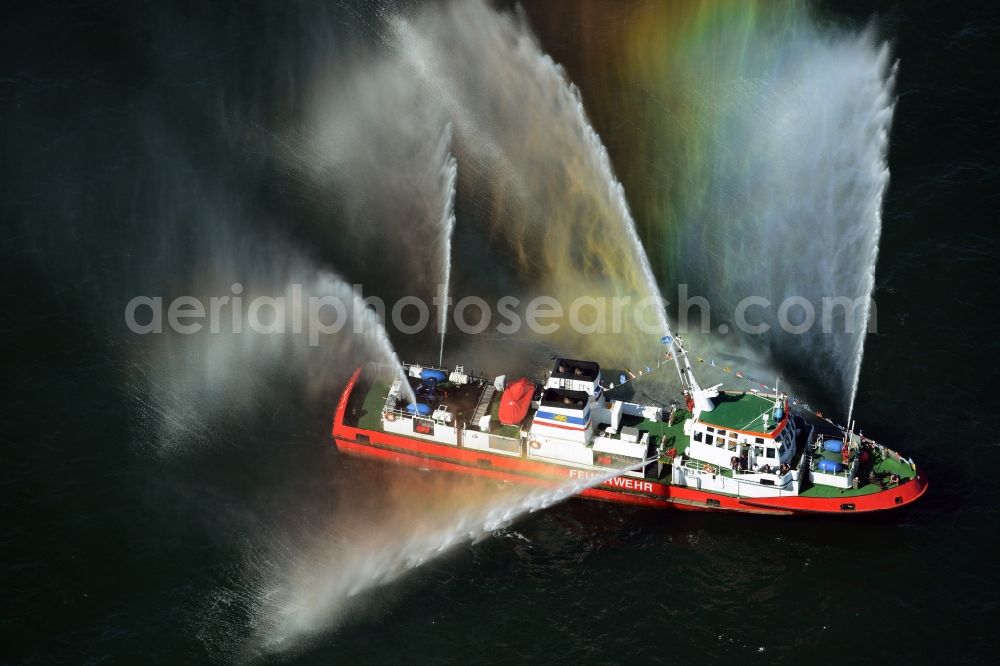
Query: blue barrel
x=418 y=408
x=833 y=445
x=831 y=466
x=436 y=375
x=778 y=414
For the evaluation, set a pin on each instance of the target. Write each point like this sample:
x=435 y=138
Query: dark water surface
x=116 y=551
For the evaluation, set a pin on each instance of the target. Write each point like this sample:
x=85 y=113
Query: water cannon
x=703 y=398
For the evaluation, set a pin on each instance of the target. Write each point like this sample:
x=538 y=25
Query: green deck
x=371 y=410
x=738 y=411
x=891 y=466
x=817 y=490
x=663 y=436
x=885 y=466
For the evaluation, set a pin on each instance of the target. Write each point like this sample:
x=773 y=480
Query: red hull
x=626 y=490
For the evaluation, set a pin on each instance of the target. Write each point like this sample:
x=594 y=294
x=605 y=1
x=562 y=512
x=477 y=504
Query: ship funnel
x=703 y=398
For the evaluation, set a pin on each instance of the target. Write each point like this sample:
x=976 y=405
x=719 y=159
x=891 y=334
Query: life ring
x=534 y=443
x=389 y=416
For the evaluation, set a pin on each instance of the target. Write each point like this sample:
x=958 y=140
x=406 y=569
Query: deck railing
x=848 y=471
x=780 y=479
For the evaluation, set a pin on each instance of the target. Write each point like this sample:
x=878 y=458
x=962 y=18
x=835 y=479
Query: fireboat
x=710 y=450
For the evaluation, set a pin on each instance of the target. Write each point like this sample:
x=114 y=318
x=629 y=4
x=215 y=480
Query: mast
x=672 y=342
x=702 y=397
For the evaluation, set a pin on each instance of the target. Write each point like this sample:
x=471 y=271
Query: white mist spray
x=780 y=196
x=185 y=385
x=307 y=590
x=449 y=179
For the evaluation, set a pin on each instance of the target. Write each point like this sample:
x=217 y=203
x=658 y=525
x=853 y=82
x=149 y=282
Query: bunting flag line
x=628 y=375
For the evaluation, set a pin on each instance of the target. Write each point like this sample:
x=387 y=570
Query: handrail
x=423 y=366
x=700 y=467
x=847 y=472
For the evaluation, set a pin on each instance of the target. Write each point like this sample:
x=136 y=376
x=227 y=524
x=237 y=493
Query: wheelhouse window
x=759 y=440
x=770 y=453
x=709 y=439
x=697 y=435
